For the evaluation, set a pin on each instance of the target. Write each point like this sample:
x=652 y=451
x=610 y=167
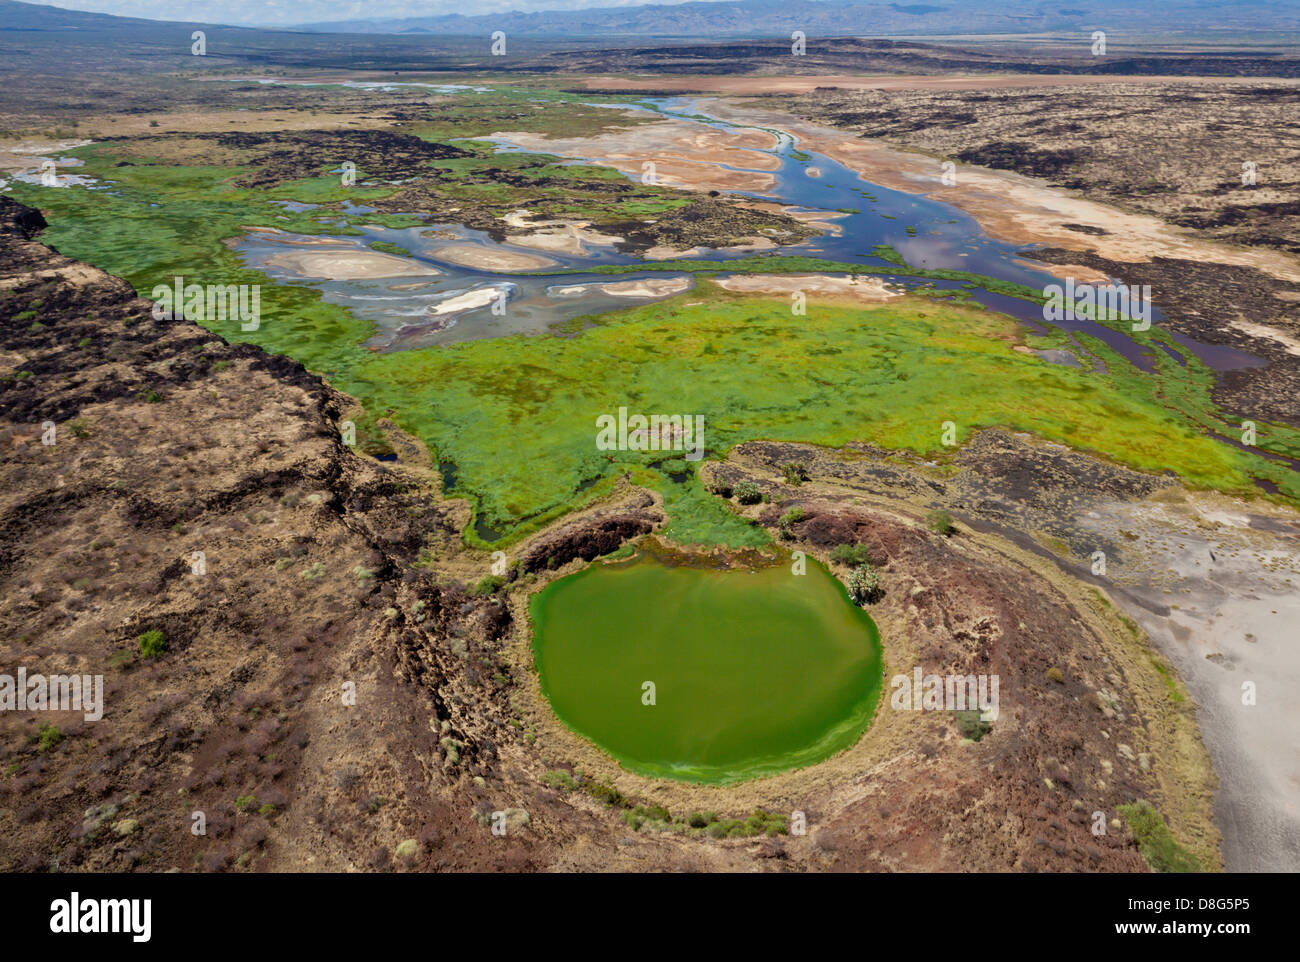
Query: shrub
x=864 y=583
x=1156 y=843
x=795 y=474
x=604 y=792
x=721 y=488
x=47 y=736
x=559 y=778
x=971 y=725
x=1055 y=675
x=747 y=492
x=656 y=813
x=791 y=517
x=851 y=555
x=152 y=644
x=763 y=822
x=490 y=585
x=701 y=819
x=939 y=521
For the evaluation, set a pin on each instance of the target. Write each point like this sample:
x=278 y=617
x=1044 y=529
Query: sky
x=265 y=12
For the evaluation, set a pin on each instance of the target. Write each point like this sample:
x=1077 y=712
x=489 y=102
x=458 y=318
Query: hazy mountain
x=825 y=18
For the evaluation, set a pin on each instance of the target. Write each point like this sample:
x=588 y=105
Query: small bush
x=1156 y=843
x=747 y=492
x=315 y=572
x=851 y=555
x=790 y=518
x=656 y=813
x=490 y=585
x=795 y=474
x=721 y=488
x=701 y=819
x=1055 y=675
x=152 y=644
x=559 y=778
x=604 y=792
x=864 y=583
x=940 y=522
x=47 y=736
x=971 y=725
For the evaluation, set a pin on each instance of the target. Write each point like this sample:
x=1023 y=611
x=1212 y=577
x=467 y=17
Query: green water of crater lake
x=754 y=672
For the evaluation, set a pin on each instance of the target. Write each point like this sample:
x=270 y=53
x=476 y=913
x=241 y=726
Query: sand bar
x=349 y=265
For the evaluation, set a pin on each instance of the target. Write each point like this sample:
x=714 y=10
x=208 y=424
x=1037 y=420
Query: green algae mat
x=705 y=675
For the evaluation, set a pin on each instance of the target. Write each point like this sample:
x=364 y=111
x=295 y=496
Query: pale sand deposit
x=559 y=236
x=348 y=265
x=490 y=259
x=871 y=289
x=684 y=154
x=28 y=155
x=662 y=253
x=646 y=287
x=1215 y=583
x=469 y=301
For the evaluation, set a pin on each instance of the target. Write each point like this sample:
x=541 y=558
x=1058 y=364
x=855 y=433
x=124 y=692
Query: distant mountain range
x=838 y=18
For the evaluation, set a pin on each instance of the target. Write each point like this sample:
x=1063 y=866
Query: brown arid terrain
x=870 y=55
x=1211 y=579
x=1222 y=157
x=332 y=697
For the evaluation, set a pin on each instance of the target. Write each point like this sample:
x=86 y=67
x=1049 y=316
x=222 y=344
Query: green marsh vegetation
x=517 y=415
